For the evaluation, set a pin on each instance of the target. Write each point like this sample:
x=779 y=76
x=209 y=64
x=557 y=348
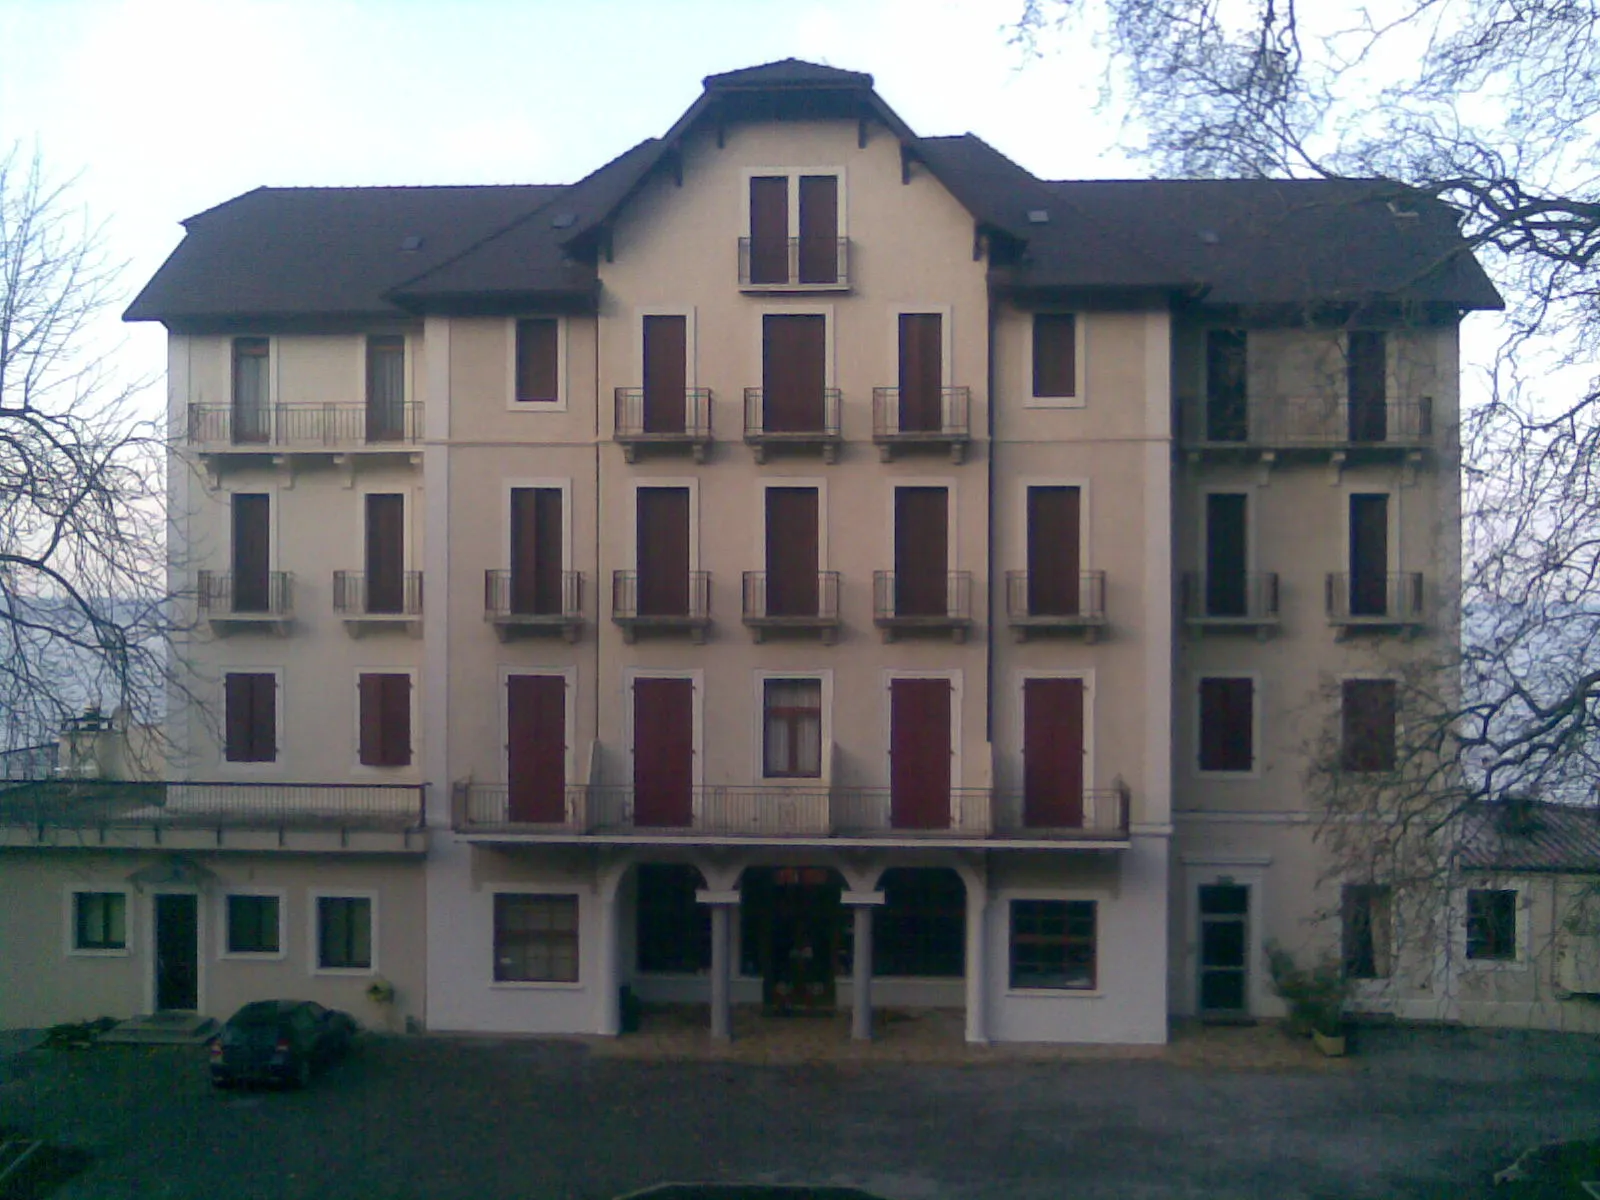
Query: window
x=920 y=928
x=385 y=702
x=1366 y=916
x=253 y=924
x=386 y=554
x=1227 y=396
x=535 y=938
x=250 y=716
x=1053 y=944
x=344 y=933
x=252 y=552
x=538 y=361
x=386 y=388
x=251 y=403
x=536 y=551
x=1368 y=725
x=674 y=929
x=793 y=722
x=1055 y=356
x=812 y=231
x=1227 y=724
x=1366 y=377
x=99 y=921
x=1492 y=925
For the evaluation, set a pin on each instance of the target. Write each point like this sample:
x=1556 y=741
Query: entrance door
x=921 y=551
x=921 y=372
x=1227 y=548
x=1224 y=984
x=796 y=919
x=793 y=372
x=1369 y=555
x=386 y=552
x=536 y=748
x=663 y=552
x=1052 y=753
x=663 y=752
x=536 y=551
x=177 y=918
x=666 y=373
x=1054 y=528
x=792 y=552
x=919 y=753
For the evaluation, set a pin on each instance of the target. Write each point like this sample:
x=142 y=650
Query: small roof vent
x=1210 y=237
x=411 y=243
x=1038 y=216
x=564 y=221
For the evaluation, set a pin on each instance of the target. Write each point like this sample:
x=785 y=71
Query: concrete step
x=163 y=1029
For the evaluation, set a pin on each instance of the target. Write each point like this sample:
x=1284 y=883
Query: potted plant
x=1315 y=996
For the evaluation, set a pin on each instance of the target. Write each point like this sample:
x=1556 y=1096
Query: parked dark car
x=279 y=1041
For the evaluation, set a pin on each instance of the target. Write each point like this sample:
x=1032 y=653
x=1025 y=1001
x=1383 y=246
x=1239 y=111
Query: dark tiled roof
x=1531 y=836
x=787 y=72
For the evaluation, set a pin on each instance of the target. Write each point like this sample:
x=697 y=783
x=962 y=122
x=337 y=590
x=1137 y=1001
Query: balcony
x=1038 y=602
x=518 y=607
x=1375 y=602
x=369 y=604
x=803 y=605
x=817 y=428
x=222 y=429
x=935 y=602
x=246 y=603
x=670 y=606
x=794 y=265
x=647 y=420
x=938 y=419
x=1246 y=602
x=291 y=817
x=1092 y=813
x=1324 y=426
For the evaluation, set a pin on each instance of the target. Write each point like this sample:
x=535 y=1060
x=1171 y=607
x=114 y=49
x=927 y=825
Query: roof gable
x=787 y=72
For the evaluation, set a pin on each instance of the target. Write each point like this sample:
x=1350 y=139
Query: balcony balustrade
x=808 y=602
x=306 y=427
x=368 y=602
x=794 y=264
x=809 y=423
x=1322 y=424
x=1040 y=602
x=922 y=602
x=644 y=602
x=935 y=417
x=518 y=606
x=1392 y=601
x=647 y=419
x=237 y=603
x=1242 y=601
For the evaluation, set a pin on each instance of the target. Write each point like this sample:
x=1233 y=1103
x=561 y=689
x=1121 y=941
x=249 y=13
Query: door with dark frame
x=252 y=549
x=1052 y=753
x=536 y=551
x=663 y=752
x=792 y=552
x=1227 y=553
x=386 y=552
x=921 y=551
x=177 y=945
x=1054 y=552
x=919 y=753
x=1223 y=985
x=921 y=372
x=1369 y=554
x=536 y=748
x=663 y=551
x=666 y=373
x=794 y=372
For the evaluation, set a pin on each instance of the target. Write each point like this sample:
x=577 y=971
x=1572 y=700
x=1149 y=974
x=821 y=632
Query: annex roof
x=1528 y=835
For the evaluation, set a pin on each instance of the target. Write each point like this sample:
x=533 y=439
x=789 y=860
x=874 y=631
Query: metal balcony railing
x=230 y=594
x=1051 y=598
x=820 y=263
x=942 y=597
x=803 y=602
x=1094 y=812
x=493 y=805
x=936 y=415
x=305 y=426
x=213 y=805
x=644 y=417
x=359 y=594
x=1323 y=422
x=1242 y=598
x=879 y=812
x=507 y=596
x=646 y=602
x=820 y=422
x=1388 y=599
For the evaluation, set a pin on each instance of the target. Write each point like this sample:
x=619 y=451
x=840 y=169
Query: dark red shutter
x=666 y=373
x=769 y=229
x=1369 y=554
x=386 y=395
x=1227 y=724
x=385 y=703
x=371 y=750
x=1055 y=355
x=1227 y=548
x=819 y=229
x=794 y=371
x=536 y=748
x=252 y=540
x=919 y=753
x=250 y=716
x=1368 y=720
x=386 y=552
x=1366 y=368
x=921 y=551
x=1052 y=753
x=1054 y=555
x=663 y=752
x=663 y=551
x=536 y=551
x=921 y=372
x=537 y=359
x=791 y=552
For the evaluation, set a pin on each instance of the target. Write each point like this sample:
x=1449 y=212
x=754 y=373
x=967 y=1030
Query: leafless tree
x=83 y=617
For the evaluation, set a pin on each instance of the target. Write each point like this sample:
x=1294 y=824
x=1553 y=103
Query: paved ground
x=1417 y=1114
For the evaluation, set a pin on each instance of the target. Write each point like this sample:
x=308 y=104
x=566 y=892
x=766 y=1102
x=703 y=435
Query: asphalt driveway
x=1420 y=1113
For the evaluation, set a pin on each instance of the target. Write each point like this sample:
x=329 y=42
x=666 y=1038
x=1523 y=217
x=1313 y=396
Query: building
x=803 y=562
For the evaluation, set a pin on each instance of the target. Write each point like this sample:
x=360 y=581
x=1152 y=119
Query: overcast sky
x=163 y=108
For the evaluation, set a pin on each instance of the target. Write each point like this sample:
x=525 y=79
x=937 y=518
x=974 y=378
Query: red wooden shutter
x=919 y=753
x=663 y=752
x=1369 y=554
x=921 y=551
x=371 y=748
x=1227 y=724
x=791 y=552
x=1054 y=555
x=663 y=551
x=1055 y=355
x=819 y=229
x=1368 y=720
x=536 y=551
x=1052 y=753
x=921 y=372
x=794 y=371
x=537 y=360
x=386 y=552
x=252 y=581
x=536 y=747
x=666 y=371
x=250 y=717
x=769 y=229
x=1366 y=368
x=385 y=704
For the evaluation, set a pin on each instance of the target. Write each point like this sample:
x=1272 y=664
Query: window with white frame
x=1367 y=921
x=99 y=920
x=1492 y=924
x=254 y=924
x=792 y=724
x=535 y=938
x=344 y=933
x=1053 y=944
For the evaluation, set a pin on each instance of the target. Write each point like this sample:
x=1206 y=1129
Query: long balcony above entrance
x=531 y=604
x=801 y=602
x=656 y=419
x=1356 y=430
x=906 y=418
x=246 y=601
x=793 y=419
x=304 y=428
x=661 y=602
x=907 y=602
x=1375 y=600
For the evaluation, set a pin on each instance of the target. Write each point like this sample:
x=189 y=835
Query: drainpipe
x=989 y=666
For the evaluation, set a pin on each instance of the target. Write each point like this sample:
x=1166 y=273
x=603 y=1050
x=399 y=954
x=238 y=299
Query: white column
x=977 y=959
x=610 y=1023
x=722 y=905
x=861 y=964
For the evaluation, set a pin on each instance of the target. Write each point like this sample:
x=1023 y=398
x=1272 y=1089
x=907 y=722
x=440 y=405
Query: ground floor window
x=344 y=932
x=99 y=921
x=1366 y=920
x=253 y=925
x=535 y=938
x=920 y=928
x=674 y=929
x=1053 y=944
x=1492 y=924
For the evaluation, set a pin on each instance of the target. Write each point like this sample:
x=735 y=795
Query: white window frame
x=1085 y=515
x=1243 y=870
x=691 y=345
x=569 y=674
x=1399 y=709
x=535 y=888
x=696 y=676
x=69 y=939
x=946 y=338
x=561 y=483
x=957 y=685
x=815 y=482
x=279 y=712
x=357 y=767
x=1203 y=526
x=1524 y=914
x=1197 y=712
x=631 y=533
x=314 y=897
x=758 y=758
x=829 y=354
x=1003 y=899
x=201 y=935
x=282 y=952
x=274 y=512
x=563 y=384
x=793 y=174
x=1353 y=488
x=1080 y=331
x=952 y=514
x=1019 y=694
x=273 y=350
x=408 y=514
x=1250 y=348
x=408 y=375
